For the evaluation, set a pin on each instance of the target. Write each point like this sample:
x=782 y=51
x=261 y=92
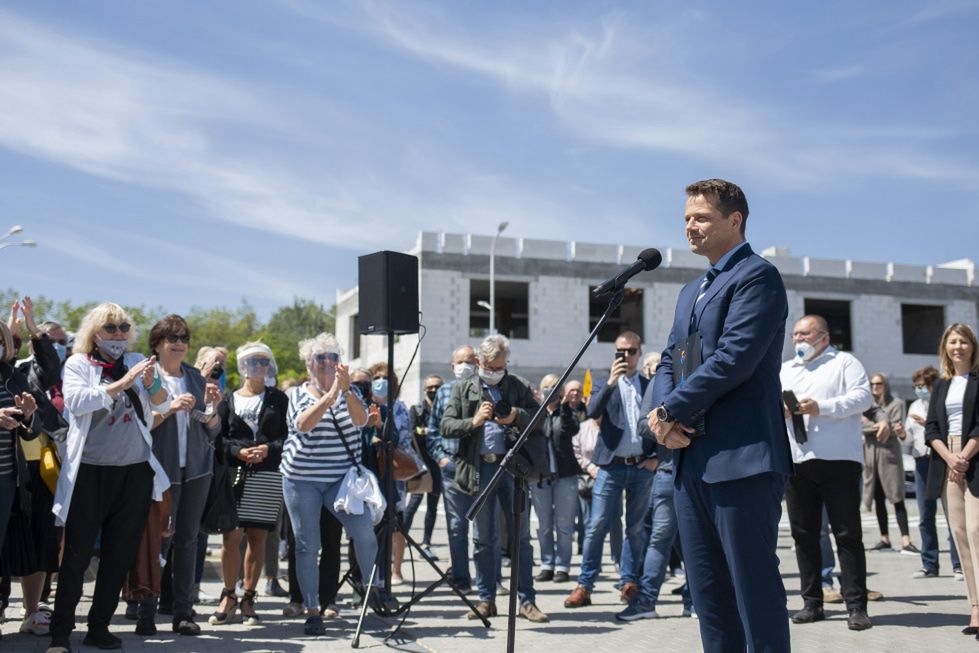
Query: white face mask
x=112 y=348
x=805 y=351
x=491 y=377
x=463 y=371
x=923 y=393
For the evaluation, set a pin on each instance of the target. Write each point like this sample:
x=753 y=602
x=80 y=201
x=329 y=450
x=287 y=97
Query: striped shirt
x=6 y=438
x=318 y=455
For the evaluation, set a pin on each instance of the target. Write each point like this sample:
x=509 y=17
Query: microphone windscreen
x=651 y=258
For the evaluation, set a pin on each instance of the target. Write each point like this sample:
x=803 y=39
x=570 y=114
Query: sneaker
x=533 y=614
x=832 y=595
x=561 y=577
x=486 y=609
x=858 y=620
x=330 y=612
x=628 y=592
x=874 y=595
x=882 y=546
x=957 y=573
x=102 y=639
x=910 y=550
x=273 y=588
x=292 y=610
x=636 y=611
x=314 y=626
x=809 y=614
x=925 y=573
x=397 y=580
x=544 y=575
x=579 y=598
x=36 y=623
x=505 y=561
x=689 y=612
x=501 y=588
x=203 y=598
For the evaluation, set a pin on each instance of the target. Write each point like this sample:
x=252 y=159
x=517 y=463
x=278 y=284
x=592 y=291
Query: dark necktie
x=708 y=279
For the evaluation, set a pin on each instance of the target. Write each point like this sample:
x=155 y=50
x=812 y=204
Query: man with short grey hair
x=483 y=413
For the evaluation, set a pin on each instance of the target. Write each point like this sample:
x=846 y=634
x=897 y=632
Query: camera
x=217 y=371
x=502 y=408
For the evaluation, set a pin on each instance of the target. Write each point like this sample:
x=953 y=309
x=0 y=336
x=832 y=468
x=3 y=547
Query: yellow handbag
x=50 y=466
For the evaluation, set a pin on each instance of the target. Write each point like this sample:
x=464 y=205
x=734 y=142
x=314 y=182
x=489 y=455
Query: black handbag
x=220 y=508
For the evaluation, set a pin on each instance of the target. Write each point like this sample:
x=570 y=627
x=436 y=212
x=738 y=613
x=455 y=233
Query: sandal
x=249 y=600
x=221 y=618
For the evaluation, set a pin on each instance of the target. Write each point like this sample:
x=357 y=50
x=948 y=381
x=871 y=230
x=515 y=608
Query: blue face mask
x=379 y=388
x=923 y=393
x=61 y=350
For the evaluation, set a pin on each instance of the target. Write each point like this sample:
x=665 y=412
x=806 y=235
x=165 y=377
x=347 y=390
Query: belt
x=491 y=457
x=628 y=460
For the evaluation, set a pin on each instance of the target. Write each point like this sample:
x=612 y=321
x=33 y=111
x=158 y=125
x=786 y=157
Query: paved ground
x=916 y=615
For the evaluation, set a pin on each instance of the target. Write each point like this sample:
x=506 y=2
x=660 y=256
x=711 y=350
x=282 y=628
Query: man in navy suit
x=626 y=463
x=716 y=400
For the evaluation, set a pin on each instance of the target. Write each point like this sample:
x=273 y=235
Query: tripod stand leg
x=364 y=607
x=519 y=505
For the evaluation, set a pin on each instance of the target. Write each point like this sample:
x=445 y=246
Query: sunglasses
x=327 y=358
x=260 y=362
x=631 y=351
x=112 y=328
x=173 y=338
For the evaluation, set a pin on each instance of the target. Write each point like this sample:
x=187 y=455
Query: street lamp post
x=16 y=229
x=492 y=301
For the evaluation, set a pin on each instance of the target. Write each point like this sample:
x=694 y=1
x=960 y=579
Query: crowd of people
x=129 y=459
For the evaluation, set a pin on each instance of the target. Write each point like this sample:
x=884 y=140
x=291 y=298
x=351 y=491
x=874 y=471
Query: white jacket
x=84 y=394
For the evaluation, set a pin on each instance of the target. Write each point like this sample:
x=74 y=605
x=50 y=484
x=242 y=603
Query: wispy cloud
x=604 y=84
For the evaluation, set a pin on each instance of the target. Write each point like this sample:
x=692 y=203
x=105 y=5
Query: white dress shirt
x=914 y=443
x=838 y=383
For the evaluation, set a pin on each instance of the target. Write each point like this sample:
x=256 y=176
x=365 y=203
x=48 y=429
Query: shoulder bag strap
x=343 y=439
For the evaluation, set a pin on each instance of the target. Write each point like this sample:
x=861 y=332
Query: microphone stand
x=515 y=468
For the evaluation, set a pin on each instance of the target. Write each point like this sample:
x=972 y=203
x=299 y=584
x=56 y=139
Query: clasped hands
x=672 y=435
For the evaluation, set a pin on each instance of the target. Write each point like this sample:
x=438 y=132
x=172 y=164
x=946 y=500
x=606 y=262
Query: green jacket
x=457 y=422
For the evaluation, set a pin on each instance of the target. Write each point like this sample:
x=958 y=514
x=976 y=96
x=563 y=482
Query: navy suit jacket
x=736 y=390
x=607 y=401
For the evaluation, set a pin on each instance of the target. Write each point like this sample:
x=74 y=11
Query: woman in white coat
x=109 y=474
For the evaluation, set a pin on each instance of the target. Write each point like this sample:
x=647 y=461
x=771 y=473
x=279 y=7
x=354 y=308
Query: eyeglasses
x=876 y=383
x=173 y=338
x=260 y=362
x=325 y=358
x=112 y=328
x=631 y=351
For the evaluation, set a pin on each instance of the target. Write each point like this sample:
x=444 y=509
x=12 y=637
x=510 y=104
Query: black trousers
x=835 y=484
x=115 y=502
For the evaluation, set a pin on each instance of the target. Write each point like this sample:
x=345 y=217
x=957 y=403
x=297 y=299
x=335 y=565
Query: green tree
x=304 y=318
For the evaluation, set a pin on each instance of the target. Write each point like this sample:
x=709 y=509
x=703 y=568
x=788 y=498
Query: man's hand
x=505 y=421
x=808 y=407
x=444 y=462
x=883 y=431
x=484 y=414
x=649 y=463
x=677 y=437
x=659 y=429
x=618 y=369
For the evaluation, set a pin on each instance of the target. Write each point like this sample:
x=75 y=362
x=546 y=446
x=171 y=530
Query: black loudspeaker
x=388 y=293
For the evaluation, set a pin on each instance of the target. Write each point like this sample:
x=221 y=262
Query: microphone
x=648 y=259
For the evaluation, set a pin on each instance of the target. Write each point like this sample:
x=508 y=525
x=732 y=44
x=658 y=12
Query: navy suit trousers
x=728 y=532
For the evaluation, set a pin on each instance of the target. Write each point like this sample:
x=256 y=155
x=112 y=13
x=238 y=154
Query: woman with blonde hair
x=109 y=474
x=952 y=432
x=253 y=430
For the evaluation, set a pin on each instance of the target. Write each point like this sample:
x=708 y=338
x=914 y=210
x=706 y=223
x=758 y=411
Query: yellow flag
x=586 y=386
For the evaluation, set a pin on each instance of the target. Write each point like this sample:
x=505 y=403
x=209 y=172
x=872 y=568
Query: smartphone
x=791 y=401
x=620 y=355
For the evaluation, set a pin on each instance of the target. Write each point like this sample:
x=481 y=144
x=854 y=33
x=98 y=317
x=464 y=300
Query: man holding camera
x=626 y=462
x=486 y=413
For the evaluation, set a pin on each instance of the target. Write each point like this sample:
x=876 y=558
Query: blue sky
x=183 y=154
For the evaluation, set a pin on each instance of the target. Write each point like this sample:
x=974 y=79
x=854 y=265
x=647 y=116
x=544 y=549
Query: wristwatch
x=663 y=415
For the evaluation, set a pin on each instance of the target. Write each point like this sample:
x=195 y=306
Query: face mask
x=805 y=351
x=61 y=350
x=491 y=377
x=250 y=368
x=463 y=370
x=380 y=389
x=923 y=393
x=112 y=348
x=431 y=394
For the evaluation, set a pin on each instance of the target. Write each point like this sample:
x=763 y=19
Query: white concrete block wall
x=948 y=275
x=595 y=252
x=480 y=245
x=429 y=241
x=821 y=267
x=787 y=264
x=913 y=273
x=546 y=249
x=865 y=270
x=453 y=243
x=684 y=258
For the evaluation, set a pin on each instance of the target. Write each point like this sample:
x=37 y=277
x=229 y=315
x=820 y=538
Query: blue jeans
x=555 y=503
x=304 y=501
x=662 y=528
x=927 y=510
x=457 y=504
x=614 y=530
x=611 y=481
x=486 y=543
